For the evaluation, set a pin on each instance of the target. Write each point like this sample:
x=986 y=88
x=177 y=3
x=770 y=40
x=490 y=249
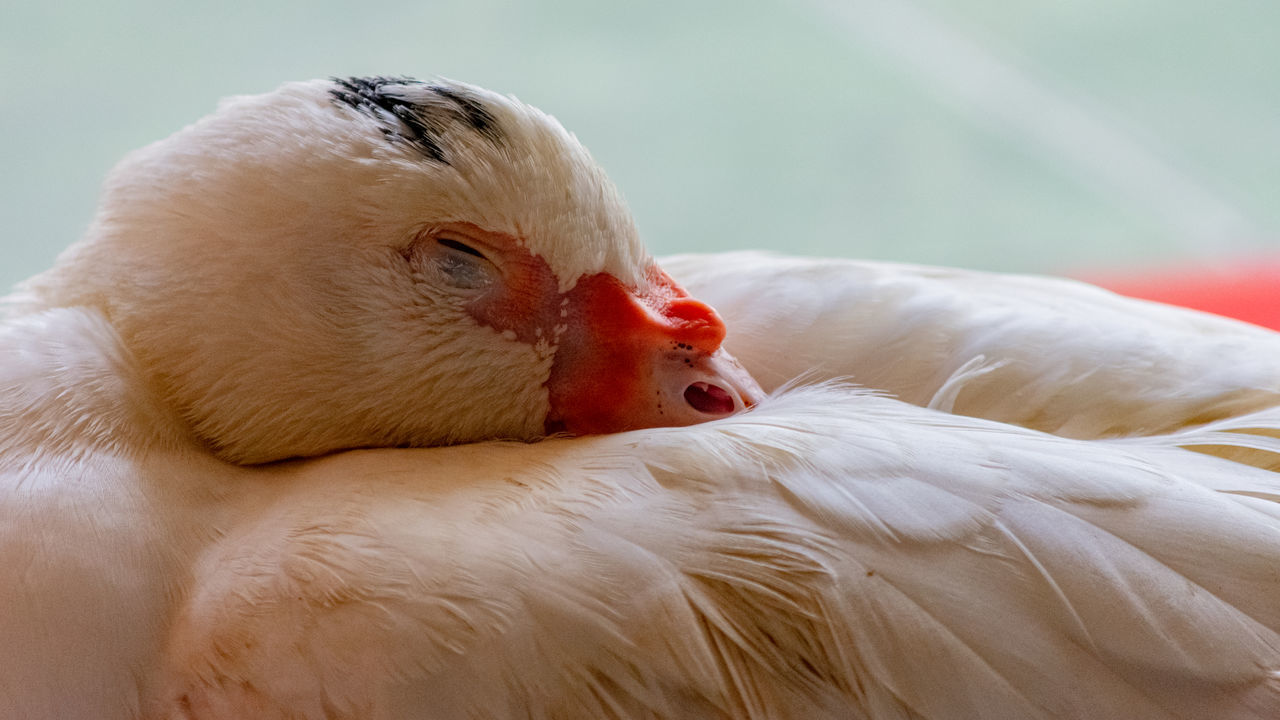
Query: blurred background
x=1078 y=138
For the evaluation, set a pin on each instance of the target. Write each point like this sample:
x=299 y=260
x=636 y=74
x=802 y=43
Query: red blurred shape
x=1247 y=290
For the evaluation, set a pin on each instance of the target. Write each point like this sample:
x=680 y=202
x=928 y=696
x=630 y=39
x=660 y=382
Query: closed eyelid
x=460 y=247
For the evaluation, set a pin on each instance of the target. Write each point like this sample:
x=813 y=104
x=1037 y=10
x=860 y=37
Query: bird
x=299 y=431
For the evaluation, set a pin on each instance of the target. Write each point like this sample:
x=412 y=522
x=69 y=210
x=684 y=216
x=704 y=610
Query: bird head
x=379 y=262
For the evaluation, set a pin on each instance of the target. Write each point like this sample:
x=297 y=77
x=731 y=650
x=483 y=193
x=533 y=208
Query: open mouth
x=712 y=399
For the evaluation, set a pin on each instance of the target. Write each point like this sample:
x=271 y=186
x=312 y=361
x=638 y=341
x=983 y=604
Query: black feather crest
x=421 y=123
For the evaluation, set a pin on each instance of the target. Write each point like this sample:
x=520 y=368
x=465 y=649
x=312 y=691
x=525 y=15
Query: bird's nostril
x=709 y=399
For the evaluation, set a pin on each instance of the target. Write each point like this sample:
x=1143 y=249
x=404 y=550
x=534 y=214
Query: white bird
x=297 y=276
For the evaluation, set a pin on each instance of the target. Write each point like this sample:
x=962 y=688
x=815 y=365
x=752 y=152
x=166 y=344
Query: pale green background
x=1042 y=136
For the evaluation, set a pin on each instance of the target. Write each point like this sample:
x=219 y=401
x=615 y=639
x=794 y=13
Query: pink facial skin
x=626 y=357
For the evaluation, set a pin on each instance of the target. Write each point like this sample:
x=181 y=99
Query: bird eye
x=462 y=265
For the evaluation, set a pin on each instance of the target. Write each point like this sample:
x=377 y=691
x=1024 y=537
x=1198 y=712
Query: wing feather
x=830 y=554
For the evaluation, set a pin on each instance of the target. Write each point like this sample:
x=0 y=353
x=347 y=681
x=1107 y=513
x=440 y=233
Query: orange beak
x=632 y=359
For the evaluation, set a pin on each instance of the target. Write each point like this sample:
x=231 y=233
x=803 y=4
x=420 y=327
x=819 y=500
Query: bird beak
x=630 y=359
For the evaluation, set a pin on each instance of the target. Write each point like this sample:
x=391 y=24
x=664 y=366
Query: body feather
x=830 y=554
x=1046 y=353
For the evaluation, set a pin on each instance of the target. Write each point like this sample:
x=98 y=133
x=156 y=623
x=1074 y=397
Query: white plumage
x=1047 y=353
x=831 y=553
